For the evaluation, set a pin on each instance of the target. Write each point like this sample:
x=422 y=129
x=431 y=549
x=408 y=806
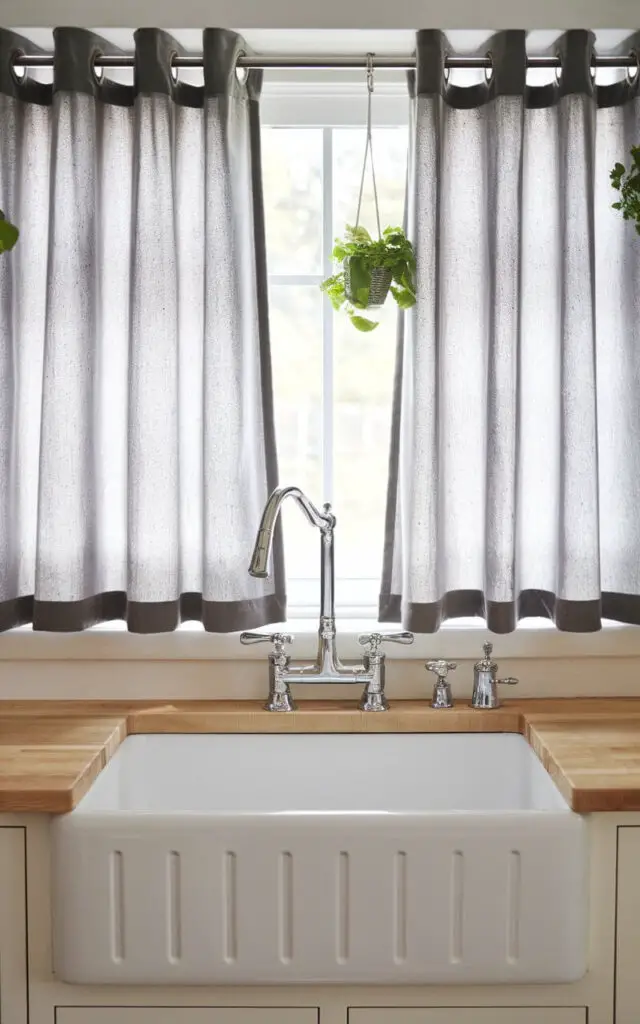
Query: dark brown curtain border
x=503 y=616
x=142 y=617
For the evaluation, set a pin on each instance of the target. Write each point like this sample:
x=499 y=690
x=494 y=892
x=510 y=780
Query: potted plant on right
x=627 y=183
x=8 y=234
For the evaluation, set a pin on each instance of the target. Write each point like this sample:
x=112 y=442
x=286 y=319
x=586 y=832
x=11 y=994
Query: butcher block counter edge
x=52 y=751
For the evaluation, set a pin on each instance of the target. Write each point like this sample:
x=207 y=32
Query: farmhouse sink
x=395 y=859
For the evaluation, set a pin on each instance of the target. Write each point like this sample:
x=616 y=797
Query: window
x=332 y=384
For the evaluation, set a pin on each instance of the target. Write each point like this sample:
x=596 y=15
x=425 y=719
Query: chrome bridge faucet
x=327 y=668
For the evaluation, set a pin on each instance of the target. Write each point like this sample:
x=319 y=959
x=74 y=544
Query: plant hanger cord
x=368 y=150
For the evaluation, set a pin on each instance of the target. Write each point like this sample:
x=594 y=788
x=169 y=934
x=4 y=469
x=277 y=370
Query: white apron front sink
x=395 y=859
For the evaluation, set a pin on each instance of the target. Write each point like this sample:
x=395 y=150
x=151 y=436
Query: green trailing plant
x=350 y=289
x=627 y=183
x=8 y=234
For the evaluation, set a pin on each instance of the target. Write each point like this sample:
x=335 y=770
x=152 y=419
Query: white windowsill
x=111 y=642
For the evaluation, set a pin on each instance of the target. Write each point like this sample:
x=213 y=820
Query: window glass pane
x=364 y=364
x=296 y=352
x=363 y=368
x=390 y=157
x=292 y=181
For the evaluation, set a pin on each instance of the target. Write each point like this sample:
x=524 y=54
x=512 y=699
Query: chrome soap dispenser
x=485 y=683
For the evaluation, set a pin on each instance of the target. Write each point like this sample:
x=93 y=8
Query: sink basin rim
x=285 y=775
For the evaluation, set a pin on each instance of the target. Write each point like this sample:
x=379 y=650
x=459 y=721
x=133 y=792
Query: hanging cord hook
x=368 y=149
x=370 y=73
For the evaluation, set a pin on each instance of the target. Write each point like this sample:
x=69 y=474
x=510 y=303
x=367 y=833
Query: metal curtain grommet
x=488 y=71
x=241 y=73
x=96 y=70
x=18 y=71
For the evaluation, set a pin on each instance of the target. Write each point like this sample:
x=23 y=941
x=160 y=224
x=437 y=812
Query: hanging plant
x=627 y=183
x=8 y=234
x=370 y=269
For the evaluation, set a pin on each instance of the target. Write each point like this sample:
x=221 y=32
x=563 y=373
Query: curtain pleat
x=137 y=444
x=515 y=454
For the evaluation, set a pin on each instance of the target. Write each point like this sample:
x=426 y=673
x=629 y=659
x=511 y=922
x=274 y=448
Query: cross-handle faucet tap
x=280 y=698
x=327 y=667
x=442 y=697
x=374 y=697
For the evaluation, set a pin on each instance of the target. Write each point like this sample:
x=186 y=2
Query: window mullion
x=327 y=316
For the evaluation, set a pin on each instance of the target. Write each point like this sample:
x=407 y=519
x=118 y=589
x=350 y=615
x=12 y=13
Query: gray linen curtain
x=136 y=424
x=515 y=460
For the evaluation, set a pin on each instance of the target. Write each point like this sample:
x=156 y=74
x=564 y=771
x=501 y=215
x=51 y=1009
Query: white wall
x=336 y=14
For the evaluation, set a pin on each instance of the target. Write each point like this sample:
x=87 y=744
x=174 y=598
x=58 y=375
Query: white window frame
x=337 y=100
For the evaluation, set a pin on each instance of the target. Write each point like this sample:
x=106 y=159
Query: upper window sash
x=335 y=99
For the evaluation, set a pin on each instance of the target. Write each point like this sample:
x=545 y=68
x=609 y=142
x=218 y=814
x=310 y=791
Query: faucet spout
x=327 y=667
x=325 y=521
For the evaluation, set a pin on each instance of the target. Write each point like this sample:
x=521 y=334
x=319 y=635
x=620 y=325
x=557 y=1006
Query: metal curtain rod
x=319 y=62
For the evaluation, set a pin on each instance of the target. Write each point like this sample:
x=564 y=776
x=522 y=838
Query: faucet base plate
x=280 y=702
x=374 y=702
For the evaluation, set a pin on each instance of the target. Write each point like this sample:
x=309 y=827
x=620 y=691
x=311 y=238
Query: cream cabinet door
x=469 y=1015
x=628 y=932
x=185 y=1015
x=13 y=926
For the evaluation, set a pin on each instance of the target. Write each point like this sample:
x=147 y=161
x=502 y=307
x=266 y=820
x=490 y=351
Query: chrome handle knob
x=373 y=640
x=440 y=667
x=405 y=637
x=277 y=639
x=508 y=681
x=442 y=697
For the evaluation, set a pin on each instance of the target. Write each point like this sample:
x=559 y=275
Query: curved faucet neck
x=324 y=521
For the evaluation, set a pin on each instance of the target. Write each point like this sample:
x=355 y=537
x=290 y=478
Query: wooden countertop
x=52 y=751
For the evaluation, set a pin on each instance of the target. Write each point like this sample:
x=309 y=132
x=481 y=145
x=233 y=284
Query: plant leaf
x=358 y=234
x=362 y=324
x=333 y=287
x=8 y=234
x=403 y=297
x=359 y=280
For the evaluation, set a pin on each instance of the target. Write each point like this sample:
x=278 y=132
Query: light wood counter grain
x=52 y=751
x=47 y=763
